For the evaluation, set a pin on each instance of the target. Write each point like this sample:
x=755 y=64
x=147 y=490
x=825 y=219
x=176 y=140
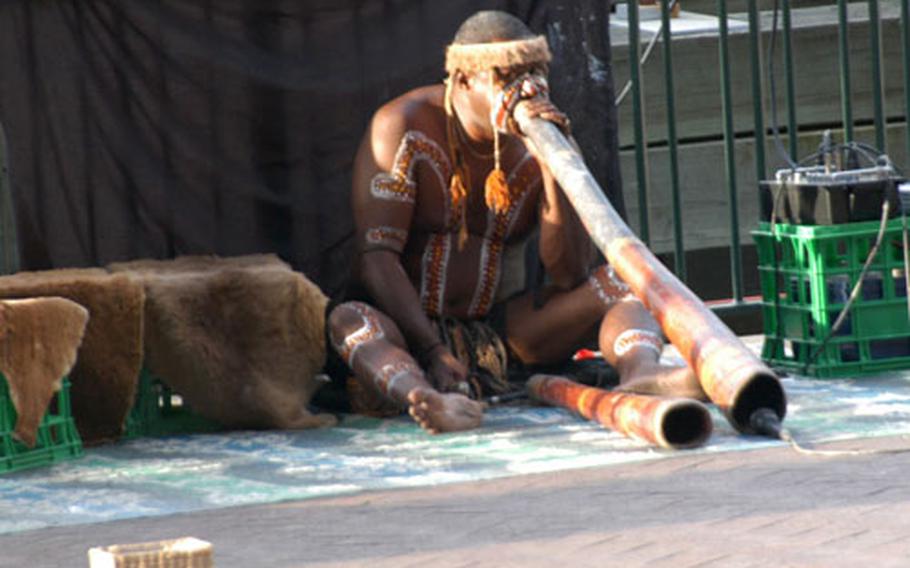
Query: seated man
x=445 y=190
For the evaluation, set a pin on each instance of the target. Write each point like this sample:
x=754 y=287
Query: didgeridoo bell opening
x=762 y=390
x=683 y=424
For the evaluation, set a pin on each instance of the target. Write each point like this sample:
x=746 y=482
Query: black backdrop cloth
x=156 y=128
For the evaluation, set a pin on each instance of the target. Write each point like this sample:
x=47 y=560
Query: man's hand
x=542 y=107
x=444 y=371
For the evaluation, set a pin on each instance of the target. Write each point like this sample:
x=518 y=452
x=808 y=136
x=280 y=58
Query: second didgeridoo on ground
x=675 y=423
x=732 y=376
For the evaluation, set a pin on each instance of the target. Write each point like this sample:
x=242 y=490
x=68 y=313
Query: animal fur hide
x=105 y=375
x=38 y=343
x=240 y=339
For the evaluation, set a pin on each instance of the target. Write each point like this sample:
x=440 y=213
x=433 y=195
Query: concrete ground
x=771 y=507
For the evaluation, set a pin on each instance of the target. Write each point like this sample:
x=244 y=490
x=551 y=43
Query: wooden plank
x=695 y=58
x=705 y=210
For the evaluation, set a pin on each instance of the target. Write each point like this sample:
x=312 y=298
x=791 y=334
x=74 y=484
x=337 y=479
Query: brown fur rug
x=240 y=339
x=38 y=343
x=105 y=375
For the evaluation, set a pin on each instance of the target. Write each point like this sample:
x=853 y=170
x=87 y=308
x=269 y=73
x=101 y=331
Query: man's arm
x=383 y=199
x=565 y=246
x=383 y=202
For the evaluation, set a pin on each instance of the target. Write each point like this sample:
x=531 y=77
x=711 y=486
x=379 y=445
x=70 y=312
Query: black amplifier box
x=829 y=199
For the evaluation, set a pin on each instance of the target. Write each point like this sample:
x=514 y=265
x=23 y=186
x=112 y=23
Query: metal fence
x=772 y=67
x=766 y=49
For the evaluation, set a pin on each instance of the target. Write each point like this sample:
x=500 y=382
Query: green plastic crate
x=159 y=411
x=57 y=437
x=807 y=273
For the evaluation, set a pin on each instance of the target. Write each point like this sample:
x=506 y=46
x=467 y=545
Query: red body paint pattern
x=433 y=282
x=523 y=177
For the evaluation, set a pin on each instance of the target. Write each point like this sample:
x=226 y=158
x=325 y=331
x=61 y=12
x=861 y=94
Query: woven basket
x=187 y=552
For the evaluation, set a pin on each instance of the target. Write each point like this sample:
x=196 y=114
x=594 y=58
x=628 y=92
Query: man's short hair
x=490 y=26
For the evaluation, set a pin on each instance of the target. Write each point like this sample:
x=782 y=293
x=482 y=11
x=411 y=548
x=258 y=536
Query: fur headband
x=474 y=57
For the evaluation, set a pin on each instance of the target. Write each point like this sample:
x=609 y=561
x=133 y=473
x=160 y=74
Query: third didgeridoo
x=674 y=423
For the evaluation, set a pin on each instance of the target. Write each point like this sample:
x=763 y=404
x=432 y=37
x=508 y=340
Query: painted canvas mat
x=150 y=476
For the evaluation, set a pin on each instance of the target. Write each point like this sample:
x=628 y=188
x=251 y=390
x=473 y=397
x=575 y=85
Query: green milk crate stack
x=57 y=437
x=807 y=274
x=159 y=411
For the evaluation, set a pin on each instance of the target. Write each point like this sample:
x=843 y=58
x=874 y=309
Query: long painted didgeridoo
x=734 y=379
x=674 y=423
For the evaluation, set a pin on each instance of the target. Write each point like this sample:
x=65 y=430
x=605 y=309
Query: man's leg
x=374 y=349
x=603 y=308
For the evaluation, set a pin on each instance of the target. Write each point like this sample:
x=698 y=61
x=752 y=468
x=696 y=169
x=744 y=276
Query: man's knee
x=351 y=325
x=346 y=317
x=628 y=307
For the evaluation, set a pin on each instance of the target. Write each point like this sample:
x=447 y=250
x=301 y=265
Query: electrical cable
x=765 y=422
x=644 y=56
x=775 y=131
x=866 y=150
x=854 y=294
x=506 y=398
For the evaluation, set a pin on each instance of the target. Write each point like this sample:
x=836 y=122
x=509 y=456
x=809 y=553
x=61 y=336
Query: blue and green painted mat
x=161 y=476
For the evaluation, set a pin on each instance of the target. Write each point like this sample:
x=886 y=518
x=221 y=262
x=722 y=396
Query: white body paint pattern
x=417 y=147
x=386 y=237
x=632 y=338
x=387 y=376
x=369 y=331
x=393 y=188
x=608 y=287
x=398 y=184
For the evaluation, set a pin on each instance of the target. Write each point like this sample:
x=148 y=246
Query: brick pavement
x=754 y=508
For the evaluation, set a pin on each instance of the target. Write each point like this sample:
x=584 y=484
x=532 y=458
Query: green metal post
x=876 y=64
x=791 y=91
x=905 y=40
x=679 y=250
x=842 y=33
x=757 y=98
x=641 y=150
x=729 y=152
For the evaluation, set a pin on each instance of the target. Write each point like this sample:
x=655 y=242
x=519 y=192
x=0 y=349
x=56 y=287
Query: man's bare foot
x=663 y=380
x=443 y=412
